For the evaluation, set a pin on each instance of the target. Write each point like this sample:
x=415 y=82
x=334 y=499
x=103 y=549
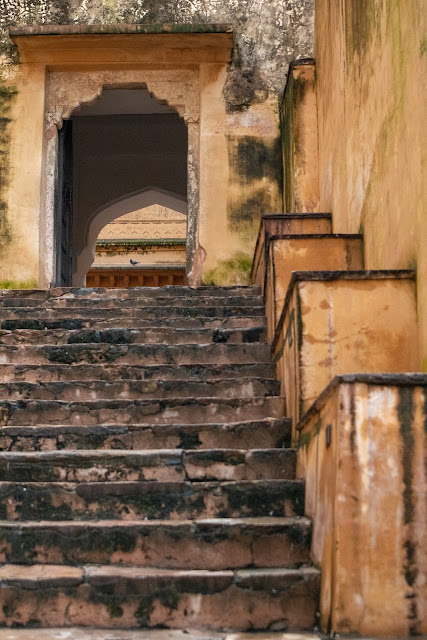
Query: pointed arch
x=131 y=202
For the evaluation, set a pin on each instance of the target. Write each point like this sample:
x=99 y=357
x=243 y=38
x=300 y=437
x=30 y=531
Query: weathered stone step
x=192 y=544
x=169 y=411
x=165 y=465
x=81 y=633
x=132 y=292
x=116 y=320
x=108 y=596
x=152 y=335
x=137 y=389
x=136 y=354
x=117 y=372
x=151 y=314
x=139 y=302
x=269 y=432
x=150 y=500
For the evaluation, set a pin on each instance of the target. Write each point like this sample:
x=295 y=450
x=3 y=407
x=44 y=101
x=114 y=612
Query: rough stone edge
x=331 y=276
x=414 y=379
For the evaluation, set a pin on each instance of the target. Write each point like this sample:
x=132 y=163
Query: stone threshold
x=163 y=634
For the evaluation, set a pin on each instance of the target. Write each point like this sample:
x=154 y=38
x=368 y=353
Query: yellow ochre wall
x=371 y=71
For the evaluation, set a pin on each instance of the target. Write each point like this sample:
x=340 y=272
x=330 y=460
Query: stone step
x=150 y=500
x=149 y=314
x=139 y=302
x=214 y=544
x=137 y=389
x=152 y=335
x=164 y=465
x=80 y=633
x=109 y=596
x=193 y=354
x=131 y=292
x=269 y=432
x=119 y=321
x=113 y=372
x=169 y=411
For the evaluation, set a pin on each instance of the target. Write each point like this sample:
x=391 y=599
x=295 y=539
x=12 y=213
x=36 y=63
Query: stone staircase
x=146 y=475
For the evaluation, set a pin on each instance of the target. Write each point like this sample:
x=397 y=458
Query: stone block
x=361 y=452
x=343 y=322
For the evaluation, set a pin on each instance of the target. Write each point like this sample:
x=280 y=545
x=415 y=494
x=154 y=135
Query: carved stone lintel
x=70 y=90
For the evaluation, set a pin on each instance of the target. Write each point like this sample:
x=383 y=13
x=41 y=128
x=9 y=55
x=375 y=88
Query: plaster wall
x=239 y=171
x=371 y=72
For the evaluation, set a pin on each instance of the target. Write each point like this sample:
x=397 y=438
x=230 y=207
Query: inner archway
x=134 y=210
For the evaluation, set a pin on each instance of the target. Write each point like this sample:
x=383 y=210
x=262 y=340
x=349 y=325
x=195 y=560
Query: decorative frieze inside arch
x=143 y=199
x=67 y=91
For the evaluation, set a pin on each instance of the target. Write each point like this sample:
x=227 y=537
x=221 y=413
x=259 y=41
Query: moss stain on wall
x=255 y=182
x=235 y=270
x=7 y=97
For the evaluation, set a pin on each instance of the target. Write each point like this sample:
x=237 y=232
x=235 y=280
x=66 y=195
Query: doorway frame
x=67 y=91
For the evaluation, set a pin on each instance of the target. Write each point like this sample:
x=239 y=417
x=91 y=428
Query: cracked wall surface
x=269 y=33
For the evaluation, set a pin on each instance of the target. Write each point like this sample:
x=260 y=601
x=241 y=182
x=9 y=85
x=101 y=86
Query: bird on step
x=133 y=262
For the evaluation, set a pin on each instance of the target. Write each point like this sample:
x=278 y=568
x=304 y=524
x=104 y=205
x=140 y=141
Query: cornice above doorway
x=177 y=44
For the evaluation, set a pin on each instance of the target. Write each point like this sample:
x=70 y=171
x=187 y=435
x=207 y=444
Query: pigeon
x=133 y=262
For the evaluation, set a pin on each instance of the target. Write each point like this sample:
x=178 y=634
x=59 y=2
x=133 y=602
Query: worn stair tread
x=87 y=292
x=154 y=465
x=75 y=390
x=191 y=354
x=167 y=410
x=128 y=500
x=149 y=335
x=112 y=372
x=115 y=321
x=39 y=575
x=215 y=543
x=264 y=523
x=194 y=311
x=79 y=633
x=179 y=302
x=273 y=432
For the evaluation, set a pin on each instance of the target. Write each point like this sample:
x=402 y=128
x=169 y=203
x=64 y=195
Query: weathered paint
x=342 y=323
x=370 y=66
x=7 y=97
x=366 y=493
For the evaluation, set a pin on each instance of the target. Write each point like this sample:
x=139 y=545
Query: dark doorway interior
x=64 y=207
x=123 y=144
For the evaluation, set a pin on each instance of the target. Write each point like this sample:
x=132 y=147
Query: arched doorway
x=69 y=94
x=129 y=151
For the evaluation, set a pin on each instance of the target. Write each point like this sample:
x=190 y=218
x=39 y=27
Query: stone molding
x=70 y=90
